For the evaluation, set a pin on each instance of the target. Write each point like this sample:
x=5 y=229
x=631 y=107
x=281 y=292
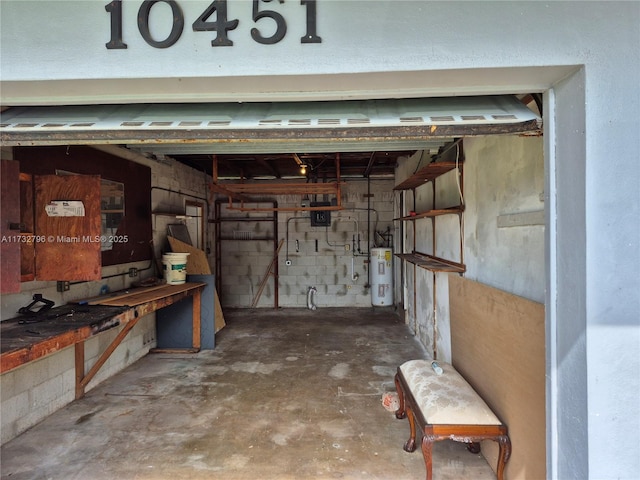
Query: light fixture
x=303 y=169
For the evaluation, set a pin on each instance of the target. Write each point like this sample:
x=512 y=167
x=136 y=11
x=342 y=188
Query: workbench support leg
x=79 y=348
x=107 y=353
x=196 y=319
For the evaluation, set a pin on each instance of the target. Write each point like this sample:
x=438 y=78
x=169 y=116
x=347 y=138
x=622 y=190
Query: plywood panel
x=138 y=296
x=70 y=249
x=27 y=249
x=10 y=237
x=498 y=345
x=84 y=160
x=218 y=315
x=197 y=262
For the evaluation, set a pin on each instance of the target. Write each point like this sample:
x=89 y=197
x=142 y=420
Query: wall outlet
x=133 y=272
x=63 y=286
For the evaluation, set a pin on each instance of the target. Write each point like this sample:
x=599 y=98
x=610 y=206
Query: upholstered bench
x=446 y=408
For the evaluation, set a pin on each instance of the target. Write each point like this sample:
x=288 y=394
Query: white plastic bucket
x=175 y=268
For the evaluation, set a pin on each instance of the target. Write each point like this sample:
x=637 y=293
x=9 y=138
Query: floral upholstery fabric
x=447 y=398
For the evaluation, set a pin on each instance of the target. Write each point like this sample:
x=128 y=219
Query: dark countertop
x=26 y=330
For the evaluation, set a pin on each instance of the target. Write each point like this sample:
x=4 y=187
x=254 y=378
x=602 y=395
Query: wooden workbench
x=28 y=338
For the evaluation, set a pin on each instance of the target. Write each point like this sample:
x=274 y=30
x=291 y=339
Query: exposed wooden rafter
x=249 y=192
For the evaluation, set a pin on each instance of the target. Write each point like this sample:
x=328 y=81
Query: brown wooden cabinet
x=27 y=229
x=69 y=249
x=10 y=227
x=42 y=238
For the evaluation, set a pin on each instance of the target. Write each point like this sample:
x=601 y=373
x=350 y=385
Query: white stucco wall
x=504 y=175
x=583 y=55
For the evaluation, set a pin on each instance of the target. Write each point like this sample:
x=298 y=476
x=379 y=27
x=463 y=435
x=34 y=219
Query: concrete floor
x=286 y=394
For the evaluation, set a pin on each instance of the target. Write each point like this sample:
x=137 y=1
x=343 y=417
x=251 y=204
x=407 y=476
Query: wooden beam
x=217 y=188
x=79 y=361
x=80 y=387
x=266 y=275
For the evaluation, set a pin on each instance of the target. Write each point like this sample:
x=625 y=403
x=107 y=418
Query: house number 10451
x=221 y=25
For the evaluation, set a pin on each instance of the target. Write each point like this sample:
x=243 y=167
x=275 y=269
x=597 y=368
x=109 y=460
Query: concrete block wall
x=340 y=277
x=172 y=185
x=503 y=175
x=34 y=391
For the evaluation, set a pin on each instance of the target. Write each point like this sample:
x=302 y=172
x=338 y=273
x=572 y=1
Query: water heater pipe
x=310 y=298
x=354 y=275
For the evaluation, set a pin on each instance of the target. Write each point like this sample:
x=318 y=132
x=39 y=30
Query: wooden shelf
x=426 y=174
x=434 y=213
x=429 y=262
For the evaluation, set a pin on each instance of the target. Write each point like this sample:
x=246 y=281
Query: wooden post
x=79 y=351
x=107 y=353
x=196 y=319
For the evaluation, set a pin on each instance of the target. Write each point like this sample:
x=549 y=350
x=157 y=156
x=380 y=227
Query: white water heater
x=381 y=277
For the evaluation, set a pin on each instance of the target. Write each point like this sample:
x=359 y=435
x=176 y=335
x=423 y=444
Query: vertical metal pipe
x=368 y=215
x=218 y=249
x=434 y=244
x=461 y=215
x=435 y=320
x=276 y=272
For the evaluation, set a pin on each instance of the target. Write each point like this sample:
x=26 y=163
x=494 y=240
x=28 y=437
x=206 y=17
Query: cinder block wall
x=36 y=390
x=503 y=175
x=339 y=274
x=32 y=392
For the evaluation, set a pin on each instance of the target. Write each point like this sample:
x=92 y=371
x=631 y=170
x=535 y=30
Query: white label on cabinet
x=65 y=208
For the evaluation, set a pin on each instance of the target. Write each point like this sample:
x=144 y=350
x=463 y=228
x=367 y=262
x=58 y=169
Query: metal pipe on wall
x=218 y=242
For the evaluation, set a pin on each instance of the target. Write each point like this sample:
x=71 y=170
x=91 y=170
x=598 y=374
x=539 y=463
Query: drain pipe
x=310 y=298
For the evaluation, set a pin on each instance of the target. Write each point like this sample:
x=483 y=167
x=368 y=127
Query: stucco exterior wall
x=504 y=175
x=582 y=55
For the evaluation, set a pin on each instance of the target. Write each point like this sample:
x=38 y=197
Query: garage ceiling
x=272 y=140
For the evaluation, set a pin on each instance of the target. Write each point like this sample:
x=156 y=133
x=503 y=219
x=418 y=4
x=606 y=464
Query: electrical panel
x=320 y=218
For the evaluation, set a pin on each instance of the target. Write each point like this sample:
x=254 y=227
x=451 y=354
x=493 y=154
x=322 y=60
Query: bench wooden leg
x=427 y=453
x=405 y=411
x=400 y=412
x=503 y=455
x=410 y=445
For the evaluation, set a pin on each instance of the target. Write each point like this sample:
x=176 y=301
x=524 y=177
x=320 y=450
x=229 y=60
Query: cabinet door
x=67 y=219
x=10 y=227
x=27 y=229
